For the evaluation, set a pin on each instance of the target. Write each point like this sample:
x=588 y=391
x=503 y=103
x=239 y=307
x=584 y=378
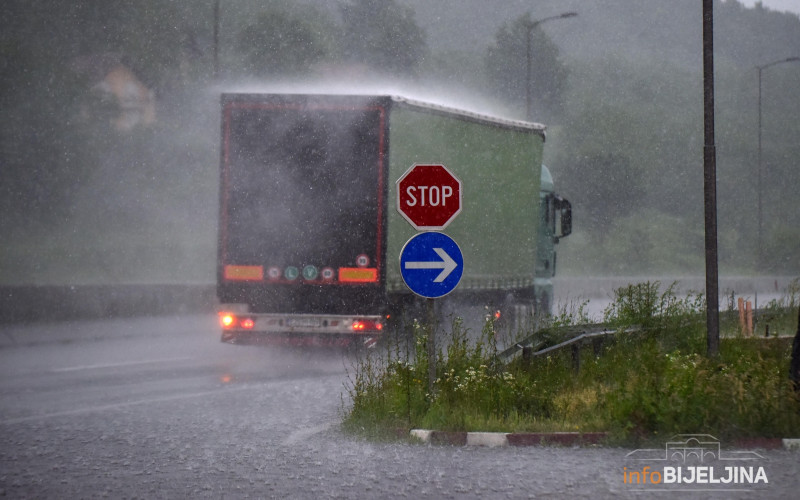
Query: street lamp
x=529 y=25
x=216 y=39
x=760 y=262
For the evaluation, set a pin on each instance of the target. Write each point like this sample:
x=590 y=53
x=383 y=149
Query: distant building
x=114 y=82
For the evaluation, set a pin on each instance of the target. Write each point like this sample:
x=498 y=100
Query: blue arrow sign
x=431 y=264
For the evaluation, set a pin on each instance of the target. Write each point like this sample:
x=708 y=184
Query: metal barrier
x=533 y=345
x=56 y=303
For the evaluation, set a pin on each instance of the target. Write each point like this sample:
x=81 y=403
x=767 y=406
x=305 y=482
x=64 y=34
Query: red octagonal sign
x=429 y=196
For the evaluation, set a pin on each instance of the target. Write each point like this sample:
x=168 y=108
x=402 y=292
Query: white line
x=303 y=434
x=115 y=365
x=116 y=406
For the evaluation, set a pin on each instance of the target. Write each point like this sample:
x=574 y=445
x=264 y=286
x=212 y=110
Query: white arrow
x=447 y=265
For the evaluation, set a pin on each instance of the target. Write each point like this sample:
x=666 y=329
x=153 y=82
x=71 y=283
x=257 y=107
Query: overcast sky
x=779 y=5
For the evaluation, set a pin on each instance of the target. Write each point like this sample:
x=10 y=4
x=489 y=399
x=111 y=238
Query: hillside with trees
x=109 y=138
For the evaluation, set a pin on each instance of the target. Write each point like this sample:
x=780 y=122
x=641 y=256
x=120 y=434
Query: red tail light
x=367 y=325
x=230 y=320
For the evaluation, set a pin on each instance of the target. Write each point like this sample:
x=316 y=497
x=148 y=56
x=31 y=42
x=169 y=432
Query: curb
x=791 y=444
x=566 y=439
x=498 y=439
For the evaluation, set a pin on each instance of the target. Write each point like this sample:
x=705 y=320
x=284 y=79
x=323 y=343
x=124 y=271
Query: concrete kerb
x=499 y=439
x=791 y=444
x=566 y=439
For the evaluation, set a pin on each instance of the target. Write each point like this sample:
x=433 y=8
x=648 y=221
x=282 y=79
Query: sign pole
x=431 y=304
x=431 y=263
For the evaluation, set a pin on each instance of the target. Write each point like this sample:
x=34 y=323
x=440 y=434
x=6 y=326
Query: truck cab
x=555 y=222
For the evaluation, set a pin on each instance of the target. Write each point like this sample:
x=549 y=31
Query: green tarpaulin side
x=499 y=168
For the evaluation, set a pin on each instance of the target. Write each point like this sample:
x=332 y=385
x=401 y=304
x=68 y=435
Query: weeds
x=775 y=318
x=651 y=382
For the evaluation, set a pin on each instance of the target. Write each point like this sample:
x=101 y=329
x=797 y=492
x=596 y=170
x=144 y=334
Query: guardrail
x=58 y=303
x=533 y=346
x=540 y=342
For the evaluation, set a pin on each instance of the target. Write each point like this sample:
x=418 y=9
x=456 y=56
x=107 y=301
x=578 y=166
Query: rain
x=126 y=197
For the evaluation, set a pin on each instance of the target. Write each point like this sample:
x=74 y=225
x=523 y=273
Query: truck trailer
x=309 y=231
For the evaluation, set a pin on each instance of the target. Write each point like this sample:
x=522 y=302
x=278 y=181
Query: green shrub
x=650 y=379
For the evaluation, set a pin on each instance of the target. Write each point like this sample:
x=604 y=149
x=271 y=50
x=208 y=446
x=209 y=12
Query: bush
x=642 y=382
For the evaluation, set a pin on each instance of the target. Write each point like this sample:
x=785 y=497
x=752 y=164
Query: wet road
x=159 y=408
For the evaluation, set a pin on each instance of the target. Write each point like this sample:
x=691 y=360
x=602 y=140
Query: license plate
x=303 y=322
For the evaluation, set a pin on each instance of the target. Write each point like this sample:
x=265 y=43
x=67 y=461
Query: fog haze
x=100 y=187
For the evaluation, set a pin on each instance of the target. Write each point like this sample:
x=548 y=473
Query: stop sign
x=428 y=196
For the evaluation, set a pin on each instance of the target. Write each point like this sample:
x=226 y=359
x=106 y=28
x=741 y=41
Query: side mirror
x=564 y=209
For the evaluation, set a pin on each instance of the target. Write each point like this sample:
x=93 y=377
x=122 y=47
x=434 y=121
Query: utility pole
x=710 y=183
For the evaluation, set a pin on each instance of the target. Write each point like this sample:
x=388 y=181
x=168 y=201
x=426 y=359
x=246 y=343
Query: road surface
x=159 y=408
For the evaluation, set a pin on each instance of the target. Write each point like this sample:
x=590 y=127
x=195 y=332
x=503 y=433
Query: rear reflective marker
x=244 y=273
x=358 y=275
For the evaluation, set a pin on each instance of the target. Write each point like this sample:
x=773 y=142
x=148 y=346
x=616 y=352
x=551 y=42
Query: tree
x=149 y=34
x=383 y=35
x=506 y=65
x=607 y=187
x=55 y=134
x=284 y=43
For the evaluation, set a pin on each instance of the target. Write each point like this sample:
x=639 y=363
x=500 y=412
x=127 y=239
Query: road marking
x=303 y=434
x=223 y=390
x=117 y=406
x=115 y=365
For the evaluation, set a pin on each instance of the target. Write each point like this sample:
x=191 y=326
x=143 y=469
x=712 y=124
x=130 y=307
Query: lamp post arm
x=532 y=24
x=773 y=63
x=529 y=25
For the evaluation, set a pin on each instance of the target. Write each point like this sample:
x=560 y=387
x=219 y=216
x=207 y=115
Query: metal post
x=216 y=39
x=431 y=345
x=576 y=357
x=527 y=355
x=529 y=76
x=759 y=255
x=794 y=364
x=710 y=183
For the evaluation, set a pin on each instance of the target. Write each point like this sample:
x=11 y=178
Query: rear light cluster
x=367 y=325
x=228 y=320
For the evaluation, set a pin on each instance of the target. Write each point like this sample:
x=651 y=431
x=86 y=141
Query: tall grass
x=640 y=385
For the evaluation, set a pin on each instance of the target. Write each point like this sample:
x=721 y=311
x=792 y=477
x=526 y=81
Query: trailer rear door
x=302 y=202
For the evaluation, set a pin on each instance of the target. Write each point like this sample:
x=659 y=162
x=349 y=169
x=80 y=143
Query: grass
x=637 y=386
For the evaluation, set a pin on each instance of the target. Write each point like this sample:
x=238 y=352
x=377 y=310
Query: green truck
x=310 y=234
